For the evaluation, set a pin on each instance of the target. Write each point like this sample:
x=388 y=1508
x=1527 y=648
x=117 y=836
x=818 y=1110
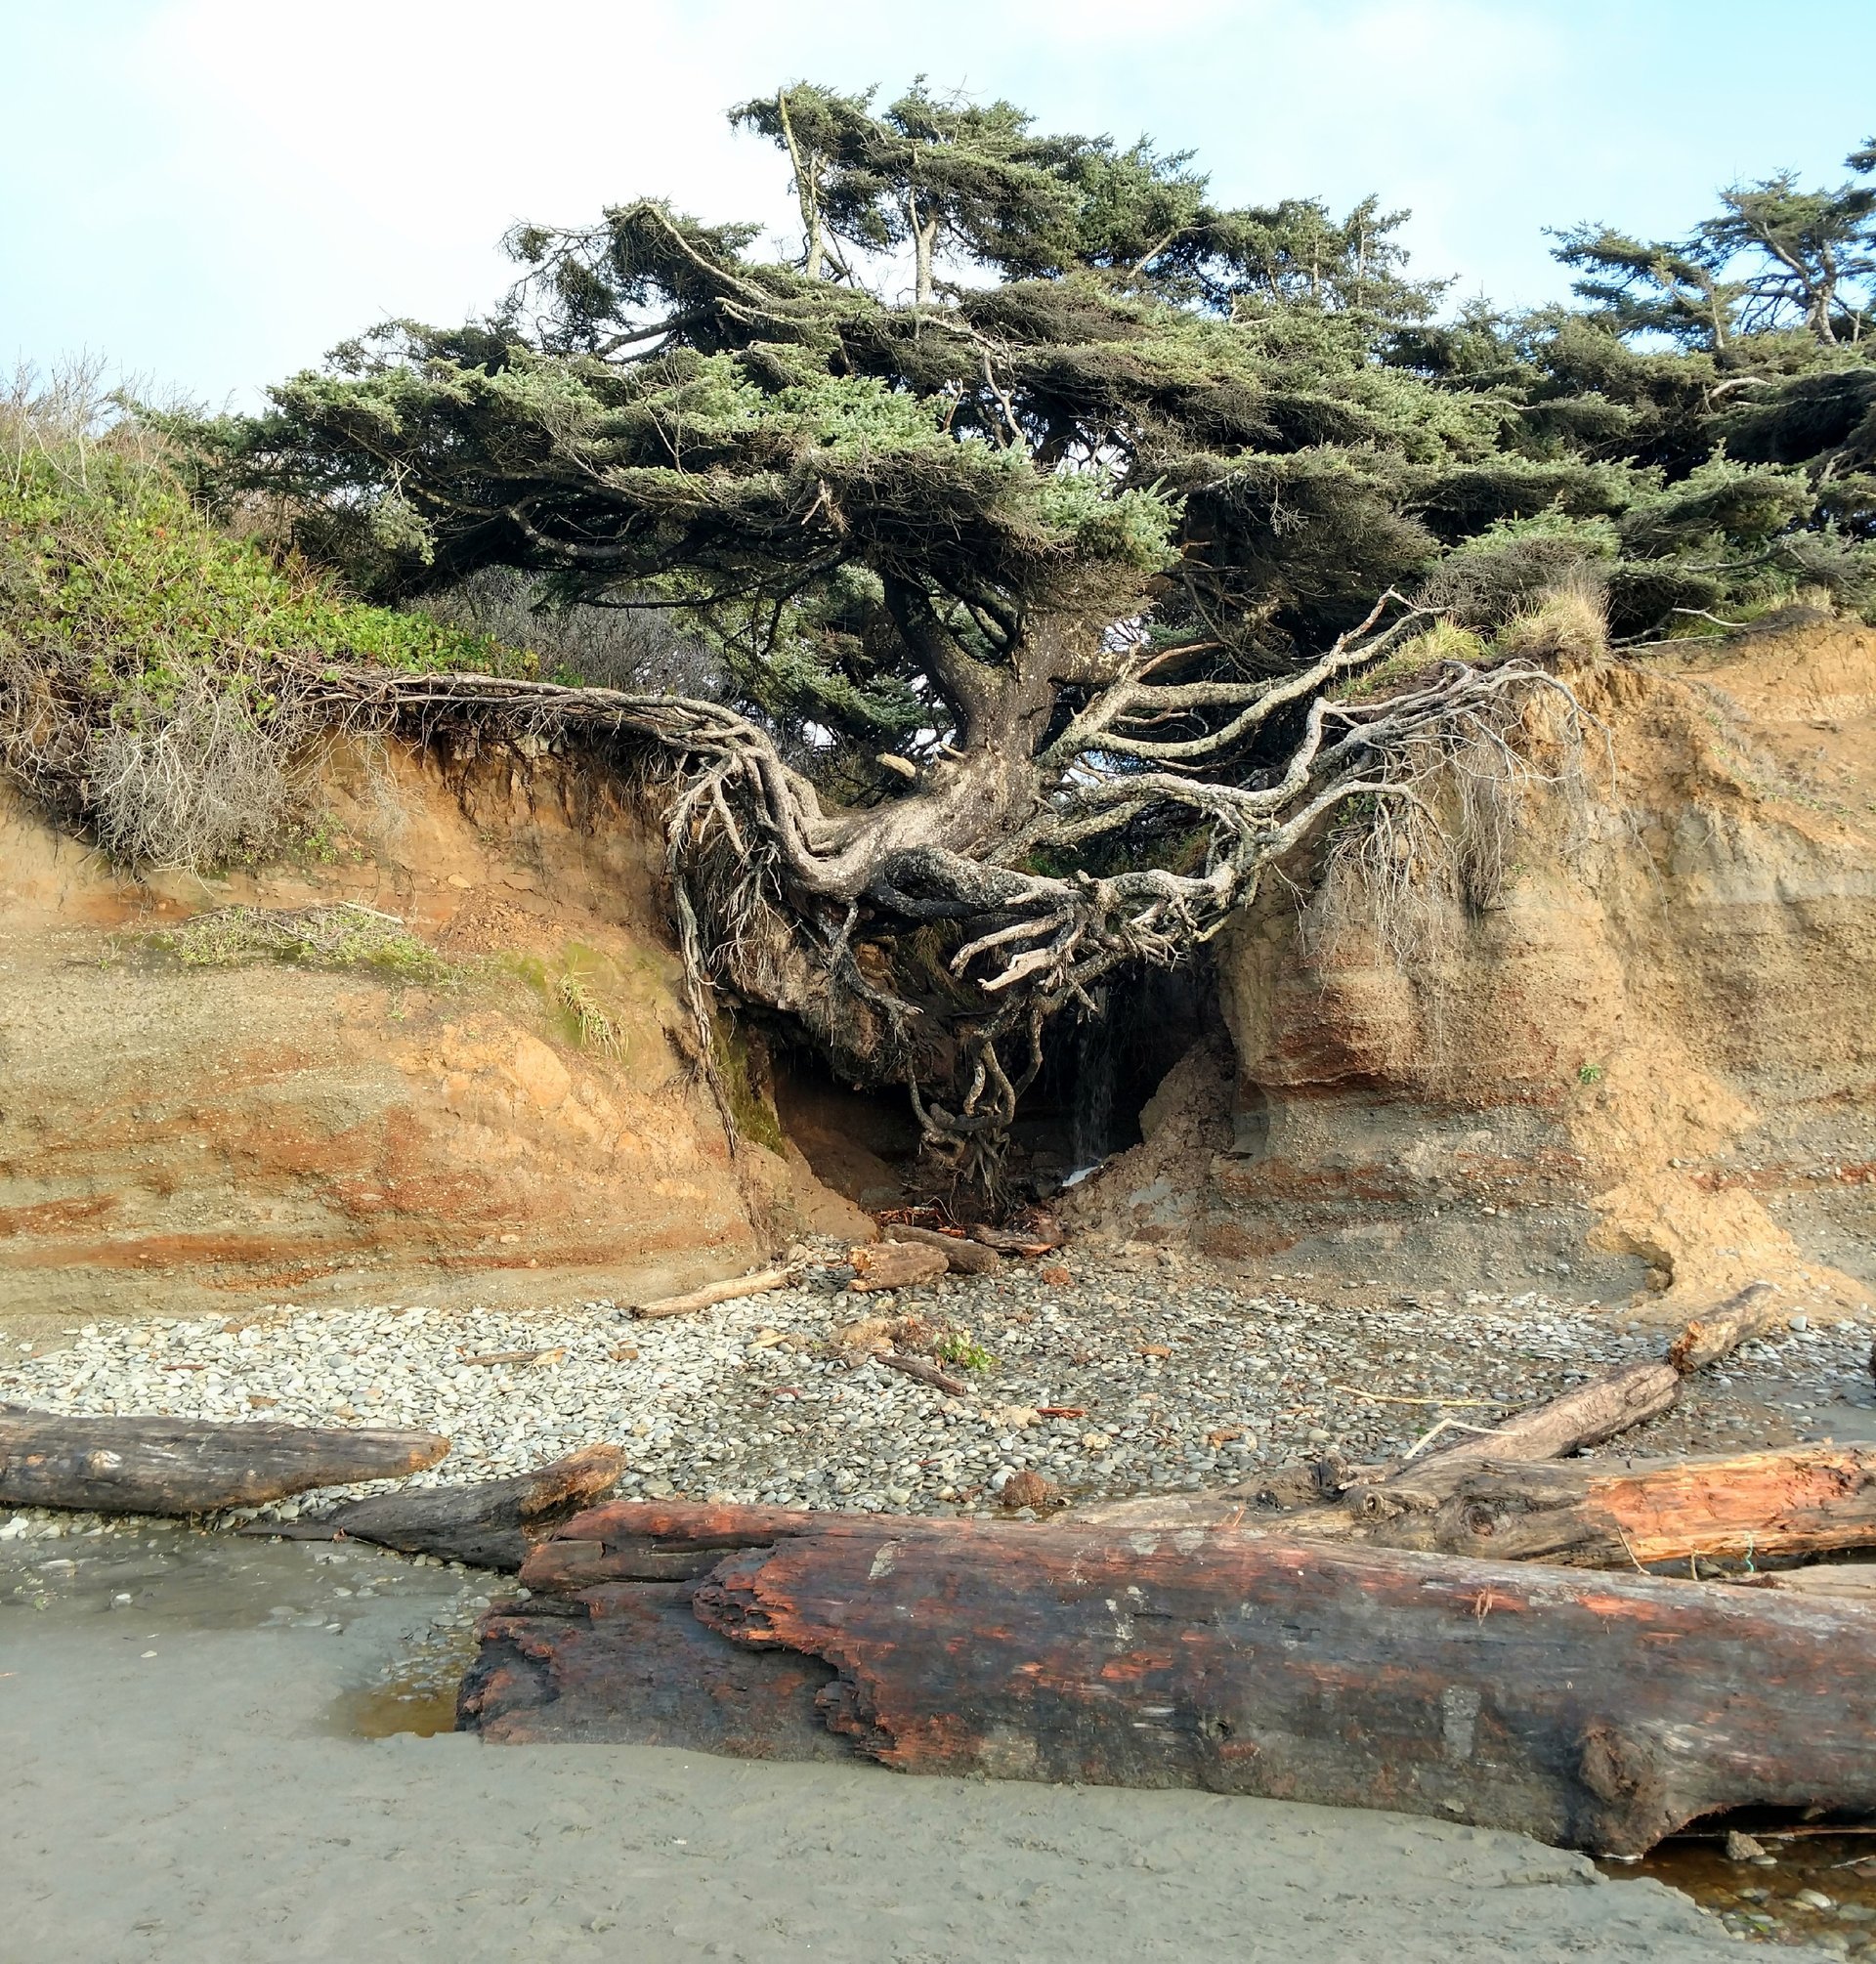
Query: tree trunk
x=1598 y=1712
x=189 y=1466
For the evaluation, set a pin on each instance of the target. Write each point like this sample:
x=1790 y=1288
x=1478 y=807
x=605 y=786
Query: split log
x=713 y=1292
x=489 y=1523
x=1708 y=1340
x=962 y=1255
x=1598 y=1712
x=191 y=1466
x=895 y=1264
x=1592 y=1513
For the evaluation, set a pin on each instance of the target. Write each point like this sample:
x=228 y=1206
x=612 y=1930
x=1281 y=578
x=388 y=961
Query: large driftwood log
x=1595 y=1711
x=490 y=1523
x=191 y=1466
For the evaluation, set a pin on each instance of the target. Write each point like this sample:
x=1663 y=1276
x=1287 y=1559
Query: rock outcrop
x=1643 y=1070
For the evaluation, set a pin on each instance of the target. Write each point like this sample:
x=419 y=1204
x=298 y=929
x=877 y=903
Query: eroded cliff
x=1645 y=1070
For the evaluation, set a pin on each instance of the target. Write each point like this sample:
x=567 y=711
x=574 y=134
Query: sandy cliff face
x=527 y=1128
x=1646 y=1071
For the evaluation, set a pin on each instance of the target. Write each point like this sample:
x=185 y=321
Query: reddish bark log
x=1595 y=1711
x=1594 y=1515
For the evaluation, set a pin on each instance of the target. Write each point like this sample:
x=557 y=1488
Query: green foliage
x=107 y=567
x=958 y=1346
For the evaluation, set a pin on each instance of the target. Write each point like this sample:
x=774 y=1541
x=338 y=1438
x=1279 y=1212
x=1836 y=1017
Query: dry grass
x=1569 y=622
x=344 y=935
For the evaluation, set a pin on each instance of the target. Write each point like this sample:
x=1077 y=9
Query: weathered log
x=1594 y=1513
x=191 y=1466
x=1029 y=1241
x=1708 y=1340
x=633 y=1666
x=490 y=1523
x=926 y=1373
x=962 y=1255
x=713 y=1292
x=895 y=1264
x=1588 y=1415
x=1595 y=1711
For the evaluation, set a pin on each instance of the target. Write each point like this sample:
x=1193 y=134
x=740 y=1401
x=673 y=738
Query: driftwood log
x=490 y=1523
x=962 y=1255
x=191 y=1466
x=713 y=1292
x=896 y=1264
x=1594 y=1711
x=1602 y=1514
x=1588 y=1415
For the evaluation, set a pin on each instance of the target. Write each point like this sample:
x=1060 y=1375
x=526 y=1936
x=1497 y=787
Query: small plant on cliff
x=344 y=935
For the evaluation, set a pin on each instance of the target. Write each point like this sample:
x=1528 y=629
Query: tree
x=1775 y=256
x=1042 y=580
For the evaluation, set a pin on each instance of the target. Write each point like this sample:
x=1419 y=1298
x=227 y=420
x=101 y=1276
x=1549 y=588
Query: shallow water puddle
x=417 y=1693
x=1779 y=1899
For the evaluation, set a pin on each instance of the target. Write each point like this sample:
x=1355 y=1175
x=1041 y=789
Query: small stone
x=1742 y=1846
x=1814 y=1899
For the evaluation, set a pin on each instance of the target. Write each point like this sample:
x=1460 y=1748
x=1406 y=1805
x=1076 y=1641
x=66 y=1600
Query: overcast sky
x=208 y=193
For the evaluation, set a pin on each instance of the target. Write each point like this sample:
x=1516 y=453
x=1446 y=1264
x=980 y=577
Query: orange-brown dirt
x=1645 y=1074
x=176 y=1138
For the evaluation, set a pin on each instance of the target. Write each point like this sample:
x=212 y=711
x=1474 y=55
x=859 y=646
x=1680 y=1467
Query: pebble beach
x=1129 y=1377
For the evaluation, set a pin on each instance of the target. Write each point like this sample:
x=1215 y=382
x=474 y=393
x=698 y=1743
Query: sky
x=206 y=194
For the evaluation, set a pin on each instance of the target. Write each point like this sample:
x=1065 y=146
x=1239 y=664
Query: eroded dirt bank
x=1643 y=1070
x=496 y=1104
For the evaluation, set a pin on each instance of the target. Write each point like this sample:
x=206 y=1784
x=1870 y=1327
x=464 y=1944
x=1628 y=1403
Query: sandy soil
x=213 y=1802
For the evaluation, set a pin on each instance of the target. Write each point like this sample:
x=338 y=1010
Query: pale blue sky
x=210 y=192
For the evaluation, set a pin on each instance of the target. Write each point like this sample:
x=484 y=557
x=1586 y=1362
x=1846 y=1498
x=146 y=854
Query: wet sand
x=214 y=1802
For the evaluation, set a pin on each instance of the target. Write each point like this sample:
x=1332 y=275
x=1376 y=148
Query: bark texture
x=1598 y=1712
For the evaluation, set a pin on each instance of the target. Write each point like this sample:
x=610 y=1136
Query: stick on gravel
x=713 y=1292
x=191 y=1466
